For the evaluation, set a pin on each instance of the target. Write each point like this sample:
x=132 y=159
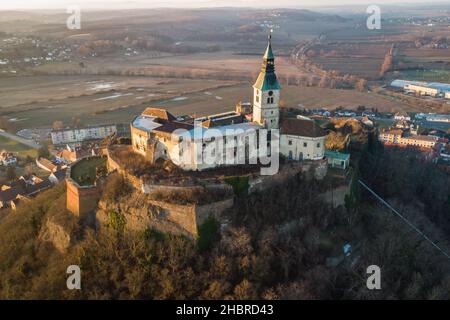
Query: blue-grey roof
x=443 y=87
x=402 y=83
x=267 y=81
x=337 y=155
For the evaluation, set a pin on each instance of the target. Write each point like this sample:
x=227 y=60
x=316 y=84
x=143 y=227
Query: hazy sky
x=44 y=4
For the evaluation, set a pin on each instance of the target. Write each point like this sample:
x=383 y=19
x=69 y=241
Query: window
x=318 y=144
x=290 y=142
x=257 y=98
x=270 y=93
x=305 y=144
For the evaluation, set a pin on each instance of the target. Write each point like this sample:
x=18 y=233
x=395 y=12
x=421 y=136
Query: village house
x=402 y=116
x=420 y=141
x=58 y=176
x=445 y=153
x=71 y=154
x=9 y=193
x=402 y=124
x=7 y=158
x=25 y=187
x=398 y=137
x=13 y=204
x=337 y=159
x=48 y=165
x=390 y=136
x=367 y=122
x=73 y=135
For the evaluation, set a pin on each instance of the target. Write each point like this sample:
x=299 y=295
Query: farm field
x=223 y=65
x=92 y=100
x=225 y=99
x=314 y=97
x=225 y=61
x=191 y=97
x=20 y=91
x=363 y=66
x=361 y=52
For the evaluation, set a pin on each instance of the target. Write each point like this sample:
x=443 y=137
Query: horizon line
x=117 y=6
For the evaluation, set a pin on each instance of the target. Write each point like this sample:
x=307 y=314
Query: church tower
x=266 y=92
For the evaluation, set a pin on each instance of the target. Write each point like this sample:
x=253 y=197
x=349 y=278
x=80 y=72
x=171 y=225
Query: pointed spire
x=267 y=79
x=269 y=53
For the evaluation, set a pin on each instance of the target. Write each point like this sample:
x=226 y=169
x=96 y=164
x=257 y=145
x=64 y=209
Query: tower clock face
x=270 y=93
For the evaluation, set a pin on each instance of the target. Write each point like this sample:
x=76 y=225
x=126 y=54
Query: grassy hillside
x=277 y=248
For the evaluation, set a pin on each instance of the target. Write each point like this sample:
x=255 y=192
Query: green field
x=14 y=146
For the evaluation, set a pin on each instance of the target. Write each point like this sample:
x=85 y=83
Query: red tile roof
x=169 y=127
x=159 y=113
x=301 y=127
x=47 y=164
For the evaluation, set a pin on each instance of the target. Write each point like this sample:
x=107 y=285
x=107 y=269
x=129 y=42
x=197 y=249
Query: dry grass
x=197 y=196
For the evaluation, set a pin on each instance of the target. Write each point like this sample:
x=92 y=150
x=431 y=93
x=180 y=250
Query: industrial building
x=433 y=89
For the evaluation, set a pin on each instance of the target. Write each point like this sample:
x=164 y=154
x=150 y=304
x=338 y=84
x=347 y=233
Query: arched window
x=270 y=98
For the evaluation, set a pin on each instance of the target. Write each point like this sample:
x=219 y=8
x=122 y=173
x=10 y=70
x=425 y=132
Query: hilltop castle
x=157 y=134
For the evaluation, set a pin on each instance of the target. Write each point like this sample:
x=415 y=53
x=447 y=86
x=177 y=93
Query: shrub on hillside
x=191 y=195
x=115 y=186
